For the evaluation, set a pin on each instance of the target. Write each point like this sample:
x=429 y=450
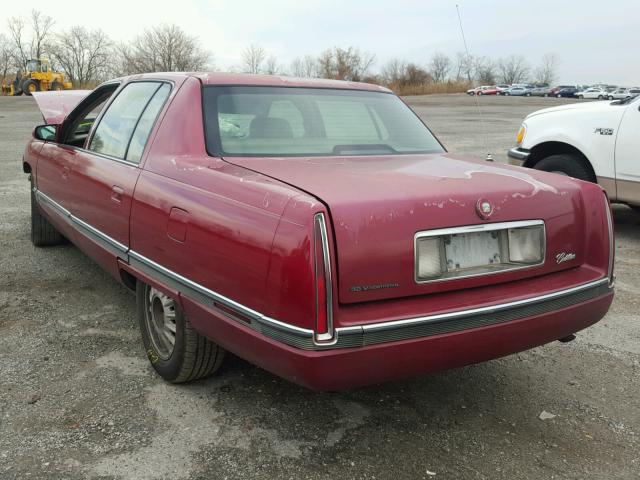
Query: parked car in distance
x=517 y=91
x=489 y=91
x=315 y=228
x=478 y=90
x=502 y=87
x=553 y=92
x=567 y=92
x=593 y=93
x=541 y=91
x=622 y=93
x=596 y=142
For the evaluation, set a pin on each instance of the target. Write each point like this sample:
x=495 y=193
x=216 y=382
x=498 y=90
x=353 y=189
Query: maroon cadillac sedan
x=315 y=228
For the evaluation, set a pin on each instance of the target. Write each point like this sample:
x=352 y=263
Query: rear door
x=628 y=155
x=106 y=169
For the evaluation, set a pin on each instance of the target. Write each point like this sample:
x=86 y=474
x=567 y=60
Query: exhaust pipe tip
x=568 y=338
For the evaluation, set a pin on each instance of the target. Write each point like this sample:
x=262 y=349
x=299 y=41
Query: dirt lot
x=78 y=399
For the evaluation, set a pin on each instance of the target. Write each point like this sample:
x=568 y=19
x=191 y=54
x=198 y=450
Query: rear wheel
x=42 y=232
x=580 y=97
x=566 y=164
x=600 y=97
x=559 y=96
x=57 y=87
x=176 y=351
x=29 y=86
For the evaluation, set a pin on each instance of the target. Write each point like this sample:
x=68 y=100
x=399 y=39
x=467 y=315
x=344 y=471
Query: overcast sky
x=595 y=40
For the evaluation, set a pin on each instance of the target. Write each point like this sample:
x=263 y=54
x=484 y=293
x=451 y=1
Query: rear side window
x=147 y=120
x=128 y=121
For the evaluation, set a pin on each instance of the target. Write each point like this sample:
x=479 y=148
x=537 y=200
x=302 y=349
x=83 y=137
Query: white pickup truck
x=597 y=141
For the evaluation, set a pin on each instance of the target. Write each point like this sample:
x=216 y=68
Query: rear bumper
x=517 y=156
x=341 y=368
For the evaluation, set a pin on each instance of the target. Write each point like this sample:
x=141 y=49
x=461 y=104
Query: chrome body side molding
x=345 y=337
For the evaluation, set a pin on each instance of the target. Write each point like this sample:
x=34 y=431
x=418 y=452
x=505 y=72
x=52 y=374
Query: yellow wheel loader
x=38 y=77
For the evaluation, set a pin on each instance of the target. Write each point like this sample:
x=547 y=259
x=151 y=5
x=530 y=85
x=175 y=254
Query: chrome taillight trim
x=327 y=338
x=486 y=227
x=612 y=242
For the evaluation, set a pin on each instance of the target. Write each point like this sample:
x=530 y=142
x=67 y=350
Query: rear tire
x=43 y=234
x=185 y=357
x=581 y=97
x=566 y=164
x=57 y=87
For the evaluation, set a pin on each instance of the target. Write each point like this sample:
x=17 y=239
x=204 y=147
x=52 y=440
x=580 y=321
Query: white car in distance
x=595 y=142
x=593 y=92
x=621 y=93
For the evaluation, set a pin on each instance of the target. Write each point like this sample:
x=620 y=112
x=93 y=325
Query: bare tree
x=393 y=72
x=306 y=66
x=164 y=48
x=6 y=57
x=83 y=54
x=252 y=58
x=21 y=51
x=485 y=71
x=513 y=69
x=34 y=47
x=465 y=65
x=271 y=66
x=344 y=64
x=398 y=73
x=546 y=71
x=41 y=26
x=439 y=67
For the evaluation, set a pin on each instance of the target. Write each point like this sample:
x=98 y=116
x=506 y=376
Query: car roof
x=244 y=79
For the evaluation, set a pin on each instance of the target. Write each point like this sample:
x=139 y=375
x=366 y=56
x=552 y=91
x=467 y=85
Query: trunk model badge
x=484 y=209
x=365 y=288
x=565 y=257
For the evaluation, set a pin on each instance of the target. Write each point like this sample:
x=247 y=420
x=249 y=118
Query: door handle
x=65 y=172
x=116 y=194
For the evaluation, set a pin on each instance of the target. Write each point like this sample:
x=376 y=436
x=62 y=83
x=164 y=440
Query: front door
x=107 y=167
x=628 y=155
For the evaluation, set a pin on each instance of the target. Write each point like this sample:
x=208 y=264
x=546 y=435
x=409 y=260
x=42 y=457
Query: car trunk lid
x=378 y=204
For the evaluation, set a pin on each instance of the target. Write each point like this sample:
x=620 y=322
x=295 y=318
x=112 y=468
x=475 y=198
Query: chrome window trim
x=485 y=227
x=344 y=337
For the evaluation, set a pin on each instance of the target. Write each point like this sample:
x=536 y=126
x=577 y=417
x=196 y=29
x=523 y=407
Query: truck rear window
x=291 y=121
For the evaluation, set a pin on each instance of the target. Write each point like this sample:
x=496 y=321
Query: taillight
x=322 y=263
x=612 y=245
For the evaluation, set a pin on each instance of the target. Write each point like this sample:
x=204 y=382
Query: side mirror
x=46 y=133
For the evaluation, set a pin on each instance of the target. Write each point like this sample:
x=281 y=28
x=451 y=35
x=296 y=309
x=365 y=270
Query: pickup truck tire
x=190 y=356
x=42 y=232
x=566 y=164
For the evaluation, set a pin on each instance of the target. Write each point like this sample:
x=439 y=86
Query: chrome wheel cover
x=160 y=320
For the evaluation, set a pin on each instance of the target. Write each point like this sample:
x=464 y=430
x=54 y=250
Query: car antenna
x=489 y=157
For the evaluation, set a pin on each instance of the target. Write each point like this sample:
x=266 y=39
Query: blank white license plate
x=471 y=250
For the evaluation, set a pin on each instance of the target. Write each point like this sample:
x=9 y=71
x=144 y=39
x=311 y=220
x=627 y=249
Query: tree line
x=89 y=56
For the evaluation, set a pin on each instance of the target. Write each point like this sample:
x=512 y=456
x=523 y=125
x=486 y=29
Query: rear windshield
x=288 y=121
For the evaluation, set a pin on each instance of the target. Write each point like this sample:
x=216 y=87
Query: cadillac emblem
x=484 y=209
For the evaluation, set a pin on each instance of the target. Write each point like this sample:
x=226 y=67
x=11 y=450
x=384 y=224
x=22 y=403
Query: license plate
x=472 y=250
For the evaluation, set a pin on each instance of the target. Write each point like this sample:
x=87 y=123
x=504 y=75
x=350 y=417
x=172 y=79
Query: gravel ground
x=78 y=399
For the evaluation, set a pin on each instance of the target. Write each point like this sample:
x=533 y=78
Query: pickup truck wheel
x=176 y=351
x=42 y=232
x=566 y=164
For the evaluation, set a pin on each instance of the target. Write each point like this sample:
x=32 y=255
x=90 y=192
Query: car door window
x=117 y=126
x=147 y=120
